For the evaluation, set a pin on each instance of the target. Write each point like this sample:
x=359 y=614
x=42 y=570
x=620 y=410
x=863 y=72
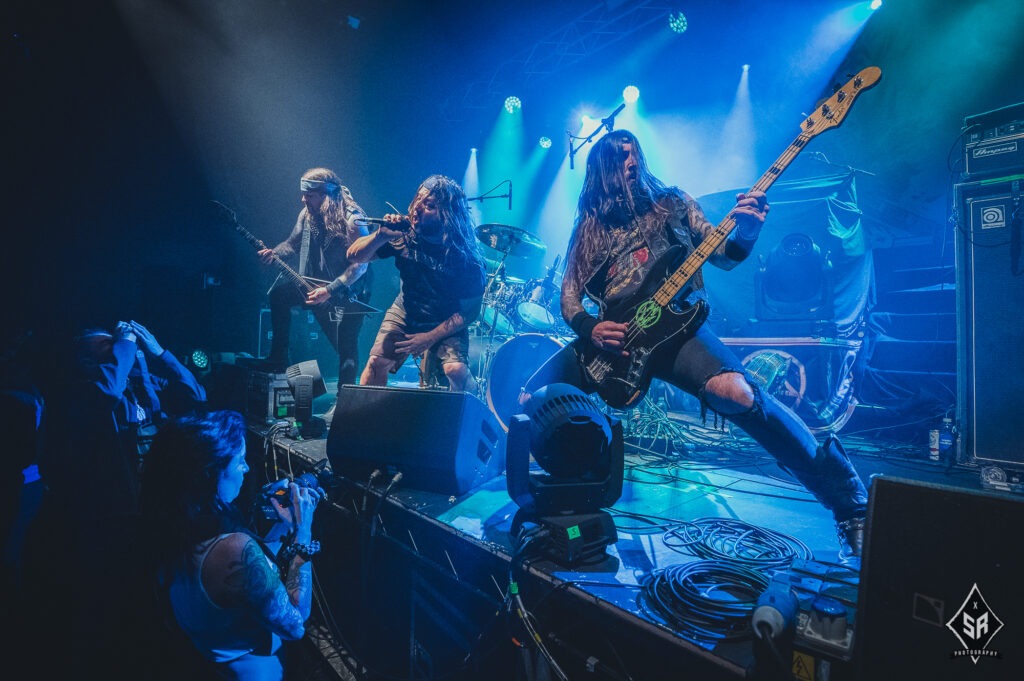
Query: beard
x=318 y=216
x=430 y=228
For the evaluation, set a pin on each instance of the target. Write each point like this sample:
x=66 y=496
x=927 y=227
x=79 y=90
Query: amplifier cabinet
x=994 y=156
x=990 y=322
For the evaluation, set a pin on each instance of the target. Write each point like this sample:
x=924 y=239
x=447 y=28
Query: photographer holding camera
x=221 y=582
x=108 y=392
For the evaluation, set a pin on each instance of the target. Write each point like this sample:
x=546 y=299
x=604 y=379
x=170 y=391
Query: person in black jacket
x=327 y=225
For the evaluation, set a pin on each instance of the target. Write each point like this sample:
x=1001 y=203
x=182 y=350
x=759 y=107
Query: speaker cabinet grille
x=990 y=305
x=440 y=441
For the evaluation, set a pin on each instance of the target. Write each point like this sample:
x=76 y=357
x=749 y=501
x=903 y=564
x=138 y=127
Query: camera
x=284 y=494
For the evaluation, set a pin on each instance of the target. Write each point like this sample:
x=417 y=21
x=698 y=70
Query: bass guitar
x=650 y=316
x=305 y=284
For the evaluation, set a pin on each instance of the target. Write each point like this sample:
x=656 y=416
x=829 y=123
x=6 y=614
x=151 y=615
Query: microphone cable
x=369 y=483
x=397 y=478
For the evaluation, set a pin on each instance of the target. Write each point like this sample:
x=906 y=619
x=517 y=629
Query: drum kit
x=520 y=324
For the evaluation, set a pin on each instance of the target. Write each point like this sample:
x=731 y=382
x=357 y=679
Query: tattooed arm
x=237 y=573
x=415 y=343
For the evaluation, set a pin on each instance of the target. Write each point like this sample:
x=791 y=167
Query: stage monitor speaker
x=990 y=297
x=940 y=594
x=441 y=441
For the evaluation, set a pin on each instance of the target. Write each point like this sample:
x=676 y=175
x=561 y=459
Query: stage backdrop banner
x=823 y=208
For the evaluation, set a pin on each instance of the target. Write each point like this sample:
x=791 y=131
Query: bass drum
x=513 y=364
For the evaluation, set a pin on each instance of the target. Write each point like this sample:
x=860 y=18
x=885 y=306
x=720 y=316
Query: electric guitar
x=305 y=284
x=650 y=316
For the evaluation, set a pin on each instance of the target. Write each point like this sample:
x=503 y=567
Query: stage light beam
x=630 y=94
x=513 y=104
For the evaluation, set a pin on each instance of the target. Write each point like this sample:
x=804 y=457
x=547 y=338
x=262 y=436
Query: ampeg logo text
x=975 y=625
x=995 y=150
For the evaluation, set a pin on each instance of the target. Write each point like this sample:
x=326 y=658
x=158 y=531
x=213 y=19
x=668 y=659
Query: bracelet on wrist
x=304 y=551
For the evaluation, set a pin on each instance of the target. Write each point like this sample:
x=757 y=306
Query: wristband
x=304 y=551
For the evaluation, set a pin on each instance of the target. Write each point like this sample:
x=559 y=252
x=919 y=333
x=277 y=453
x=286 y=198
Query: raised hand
x=146 y=339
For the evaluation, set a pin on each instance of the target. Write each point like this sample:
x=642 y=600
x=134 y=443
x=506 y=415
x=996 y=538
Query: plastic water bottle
x=947 y=438
x=933 y=445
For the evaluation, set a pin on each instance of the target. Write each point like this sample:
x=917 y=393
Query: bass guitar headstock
x=832 y=111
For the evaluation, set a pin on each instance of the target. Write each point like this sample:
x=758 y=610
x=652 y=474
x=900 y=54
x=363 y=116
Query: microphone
x=550 y=276
x=382 y=221
x=510 y=194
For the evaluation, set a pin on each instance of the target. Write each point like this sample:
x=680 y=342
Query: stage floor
x=681 y=478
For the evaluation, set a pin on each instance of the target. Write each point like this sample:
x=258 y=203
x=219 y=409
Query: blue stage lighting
x=677 y=22
x=545 y=142
x=630 y=94
x=875 y=4
x=512 y=104
x=200 y=359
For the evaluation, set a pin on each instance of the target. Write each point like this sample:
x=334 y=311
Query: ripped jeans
x=825 y=471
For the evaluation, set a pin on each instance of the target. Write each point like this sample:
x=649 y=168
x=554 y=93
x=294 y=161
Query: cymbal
x=510 y=240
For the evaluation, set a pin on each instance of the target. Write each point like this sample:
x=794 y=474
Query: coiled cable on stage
x=706 y=600
x=735 y=541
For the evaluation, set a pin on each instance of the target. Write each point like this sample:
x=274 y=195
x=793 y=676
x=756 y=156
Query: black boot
x=835 y=483
x=851 y=540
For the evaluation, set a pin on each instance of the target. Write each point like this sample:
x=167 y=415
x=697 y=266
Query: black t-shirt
x=629 y=258
x=431 y=285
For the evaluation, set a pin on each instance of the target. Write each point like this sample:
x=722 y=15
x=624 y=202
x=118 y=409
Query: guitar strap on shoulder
x=304 y=248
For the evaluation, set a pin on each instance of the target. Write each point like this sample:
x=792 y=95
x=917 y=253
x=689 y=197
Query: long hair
x=339 y=202
x=459 y=237
x=180 y=506
x=607 y=198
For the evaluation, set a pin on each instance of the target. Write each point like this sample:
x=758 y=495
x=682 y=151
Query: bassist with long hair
x=631 y=234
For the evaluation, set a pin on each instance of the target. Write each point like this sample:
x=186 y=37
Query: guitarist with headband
x=329 y=222
x=631 y=231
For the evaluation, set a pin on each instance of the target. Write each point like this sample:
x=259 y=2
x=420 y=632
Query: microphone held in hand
x=399 y=225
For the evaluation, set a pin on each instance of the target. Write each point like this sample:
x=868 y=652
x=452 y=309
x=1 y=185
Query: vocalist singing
x=442 y=283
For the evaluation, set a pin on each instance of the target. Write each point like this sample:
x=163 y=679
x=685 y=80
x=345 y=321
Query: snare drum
x=513 y=364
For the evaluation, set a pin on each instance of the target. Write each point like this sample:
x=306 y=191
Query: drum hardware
x=499 y=293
